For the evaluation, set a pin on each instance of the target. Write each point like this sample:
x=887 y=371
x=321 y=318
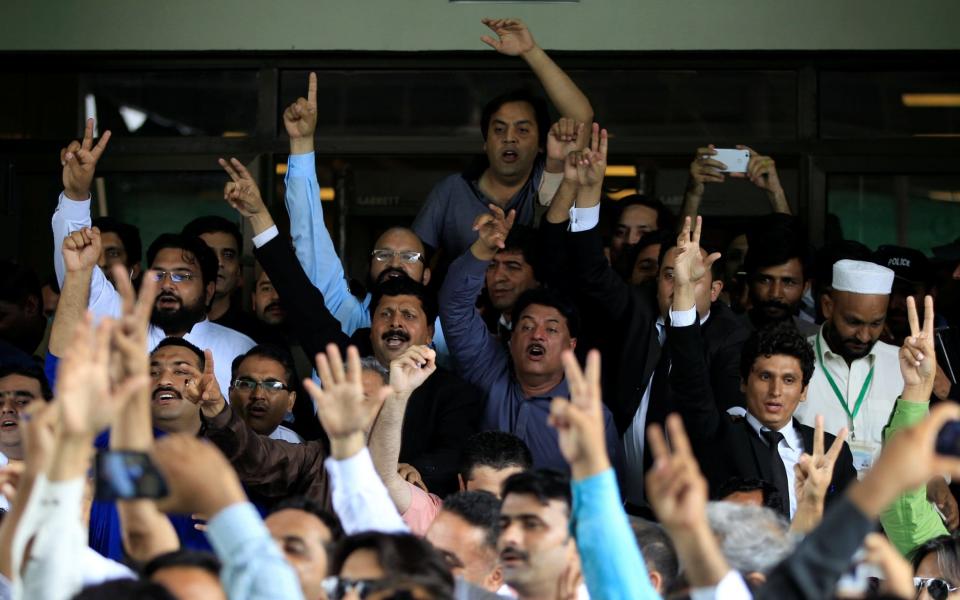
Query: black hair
x=495 y=449
x=18 y=283
x=947 y=550
x=626 y=262
x=125 y=589
x=478 y=508
x=666 y=220
x=206 y=561
x=405 y=286
x=181 y=343
x=523 y=239
x=716 y=269
x=129 y=236
x=541 y=112
x=549 y=297
x=828 y=255
x=402 y=557
x=308 y=505
x=545 y=485
x=777 y=339
x=272 y=352
x=213 y=224
x=658 y=551
x=31 y=372
x=195 y=251
x=769 y=492
x=771 y=244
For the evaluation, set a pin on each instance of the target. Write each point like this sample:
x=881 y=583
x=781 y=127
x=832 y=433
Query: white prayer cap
x=861 y=277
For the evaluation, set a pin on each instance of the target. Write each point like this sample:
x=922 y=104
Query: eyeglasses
x=175 y=277
x=270 y=386
x=938 y=589
x=408 y=257
x=337 y=587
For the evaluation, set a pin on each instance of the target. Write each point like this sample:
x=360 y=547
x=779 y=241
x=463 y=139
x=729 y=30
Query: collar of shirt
x=561 y=390
x=504 y=323
x=790 y=434
x=829 y=354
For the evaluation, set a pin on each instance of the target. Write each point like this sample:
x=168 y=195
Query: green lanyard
x=836 y=390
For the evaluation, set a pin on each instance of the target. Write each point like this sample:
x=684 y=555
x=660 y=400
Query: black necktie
x=779 y=470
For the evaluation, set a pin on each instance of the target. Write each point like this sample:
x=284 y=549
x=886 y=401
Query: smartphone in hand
x=736 y=160
x=126 y=475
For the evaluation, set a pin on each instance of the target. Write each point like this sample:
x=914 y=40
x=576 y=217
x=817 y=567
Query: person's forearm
x=301 y=145
x=808 y=516
x=683 y=296
x=71 y=457
x=875 y=492
x=589 y=196
x=72 y=306
x=261 y=221
x=385 y=438
x=559 y=211
x=146 y=531
x=918 y=394
x=347 y=446
x=699 y=551
x=12 y=520
x=778 y=201
x=563 y=92
x=691 y=202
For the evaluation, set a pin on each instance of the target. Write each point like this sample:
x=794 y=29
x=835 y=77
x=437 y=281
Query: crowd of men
x=769 y=420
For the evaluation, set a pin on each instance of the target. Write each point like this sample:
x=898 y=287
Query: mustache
x=774 y=304
x=168 y=296
x=399 y=333
x=167 y=388
x=391 y=272
x=511 y=552
x=273 y=305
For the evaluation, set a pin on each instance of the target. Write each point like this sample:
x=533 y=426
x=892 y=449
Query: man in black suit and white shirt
x=776 y=366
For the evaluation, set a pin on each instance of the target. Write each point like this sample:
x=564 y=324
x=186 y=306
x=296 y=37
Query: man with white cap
x=857 y=378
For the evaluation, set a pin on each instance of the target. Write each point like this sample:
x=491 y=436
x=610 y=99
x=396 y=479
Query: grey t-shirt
x=446 y=218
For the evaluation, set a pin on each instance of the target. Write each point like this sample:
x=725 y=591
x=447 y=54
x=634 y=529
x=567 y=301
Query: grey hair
x=753 y=539
x=370 y=363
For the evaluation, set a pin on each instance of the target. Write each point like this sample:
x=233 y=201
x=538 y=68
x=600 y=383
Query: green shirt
x=911 y=520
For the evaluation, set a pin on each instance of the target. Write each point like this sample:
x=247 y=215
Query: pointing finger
x=312 y=89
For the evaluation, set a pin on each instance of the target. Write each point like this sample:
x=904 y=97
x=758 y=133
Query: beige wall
x=440 y=25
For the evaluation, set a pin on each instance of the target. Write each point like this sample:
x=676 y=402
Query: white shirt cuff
x=584 y=219
x=265 y=236
x=731 y=587
x=683 y=318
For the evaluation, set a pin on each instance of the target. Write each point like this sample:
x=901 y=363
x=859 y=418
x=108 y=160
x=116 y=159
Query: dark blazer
x=440 y=414
x=728 y=446
x=631 y=347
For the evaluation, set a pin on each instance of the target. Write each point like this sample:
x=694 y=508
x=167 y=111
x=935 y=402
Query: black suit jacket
x=440 y=414
x=630 y=344
x=728 y=446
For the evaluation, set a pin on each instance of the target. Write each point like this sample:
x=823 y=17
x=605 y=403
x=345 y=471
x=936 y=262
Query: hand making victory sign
x=79 y=160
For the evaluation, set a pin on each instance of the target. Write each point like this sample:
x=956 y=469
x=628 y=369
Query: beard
x=849 y=348
x=179 y=320
x=771 y=311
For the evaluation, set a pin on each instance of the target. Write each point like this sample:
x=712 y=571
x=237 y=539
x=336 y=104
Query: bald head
x=393 y=256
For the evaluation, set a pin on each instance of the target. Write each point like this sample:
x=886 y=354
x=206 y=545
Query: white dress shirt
x=866 y=429
x=225 y=343
x=285 y=434
x=359 y=497
x=790 y=450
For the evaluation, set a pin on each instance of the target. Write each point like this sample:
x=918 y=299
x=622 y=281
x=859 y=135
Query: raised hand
x=130 y=350
x=897 y=580
x=676 y=489
x=690 y=265
x=705 y=170
x=86 y=399
x=579 y=421
x=814 y=472
x=79 y=160
x=565 y=136
x=409 y=370
x=918 y=359
x=81 y=249
x=592 y=163
x=241 y=192
x=203 y=389
x=493 y=228
x=345 y=414
x=513 y=37
x=300 y=118
x=761 y=171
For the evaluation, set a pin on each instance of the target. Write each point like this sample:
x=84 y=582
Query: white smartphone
x=736 y=160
